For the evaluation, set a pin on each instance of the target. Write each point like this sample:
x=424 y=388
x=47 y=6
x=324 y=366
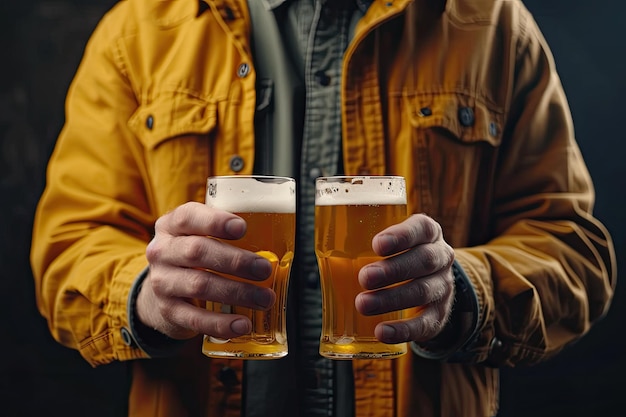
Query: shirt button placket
x=314 y=173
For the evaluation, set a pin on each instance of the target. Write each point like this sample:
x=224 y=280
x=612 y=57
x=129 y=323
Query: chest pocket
x=467 y=118
x=454 y=139
x=175 y=131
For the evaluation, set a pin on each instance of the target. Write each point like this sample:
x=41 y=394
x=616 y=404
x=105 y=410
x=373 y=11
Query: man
x=459 y=97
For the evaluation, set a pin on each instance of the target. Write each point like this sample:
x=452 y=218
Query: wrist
x=149 y=340
x=461 y=326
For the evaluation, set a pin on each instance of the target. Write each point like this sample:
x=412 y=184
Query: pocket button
x=466 y=116
x=236 y=163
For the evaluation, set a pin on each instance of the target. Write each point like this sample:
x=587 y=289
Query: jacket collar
x=274 y=4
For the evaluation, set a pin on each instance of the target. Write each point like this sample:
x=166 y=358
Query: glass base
x=243 y=355
x=219 y=348
x=360 y=350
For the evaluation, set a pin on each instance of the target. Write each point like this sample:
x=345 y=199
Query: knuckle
x=154 y=250
x=449 y=253
x=423 y=291
x=221 y=293
x=430 y=258
x=194 y=322
x=205 y=287
x=179 y=218
x=237 y=260
x=224 y=290
x=431 y=229
x=193 y=250
x=158 y=283
x=418 y=291
x=217 y=326
x=166 y=309
x=413 y=232
x=198 y=286
x=159 y=224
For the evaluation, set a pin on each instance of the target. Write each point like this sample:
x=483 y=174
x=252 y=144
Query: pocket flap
x=172 y=114
x=468 y=118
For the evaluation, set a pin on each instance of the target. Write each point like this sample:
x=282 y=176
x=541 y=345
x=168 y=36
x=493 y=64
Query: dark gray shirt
x=298 y=48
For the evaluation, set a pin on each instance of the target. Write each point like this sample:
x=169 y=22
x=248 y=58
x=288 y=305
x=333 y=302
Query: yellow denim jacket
x=460 y=97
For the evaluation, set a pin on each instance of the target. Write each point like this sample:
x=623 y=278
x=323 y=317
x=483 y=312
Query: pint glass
x=268 y=205
x=349 y=212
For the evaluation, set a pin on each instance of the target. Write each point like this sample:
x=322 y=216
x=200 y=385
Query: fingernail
x=263 y=299
x=375 y=277
x=240 y=326
x=261 y=268
x=389 y=332
x=369 y=304
x=387 y=243
x=236 y=228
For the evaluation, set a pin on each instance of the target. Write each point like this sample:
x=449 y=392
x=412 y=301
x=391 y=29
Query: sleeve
x=549 y=271
x=93 y=220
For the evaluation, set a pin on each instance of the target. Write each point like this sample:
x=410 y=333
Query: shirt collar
x=363 y=5
x=271 y=4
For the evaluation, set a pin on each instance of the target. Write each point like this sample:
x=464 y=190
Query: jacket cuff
x=454 y=343
x=152 y=342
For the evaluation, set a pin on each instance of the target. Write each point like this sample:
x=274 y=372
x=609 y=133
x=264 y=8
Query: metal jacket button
x=493 y=129
x=150 y=122
x=243 y=70
x=236 y=163
x=425 y=111
x=230 y=15
x=496 y=350
x=126 y=337
x=466 y=116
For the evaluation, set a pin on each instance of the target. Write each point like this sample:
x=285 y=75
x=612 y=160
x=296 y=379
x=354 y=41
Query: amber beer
x=349 y=212
x=268 y=206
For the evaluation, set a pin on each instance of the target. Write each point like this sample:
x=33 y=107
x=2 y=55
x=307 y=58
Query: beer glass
x=268 y=205
x=349 y=212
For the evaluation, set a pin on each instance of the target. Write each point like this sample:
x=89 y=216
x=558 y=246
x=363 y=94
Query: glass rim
x=250 y=176
x=349 y=177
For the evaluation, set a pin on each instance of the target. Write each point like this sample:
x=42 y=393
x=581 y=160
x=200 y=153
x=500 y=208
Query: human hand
x=182 y=257
x=422 y=264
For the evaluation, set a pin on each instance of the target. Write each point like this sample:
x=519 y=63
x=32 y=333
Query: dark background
x=42 y=42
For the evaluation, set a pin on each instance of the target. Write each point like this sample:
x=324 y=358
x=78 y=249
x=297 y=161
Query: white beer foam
x=361 y=191
x=248 y=195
